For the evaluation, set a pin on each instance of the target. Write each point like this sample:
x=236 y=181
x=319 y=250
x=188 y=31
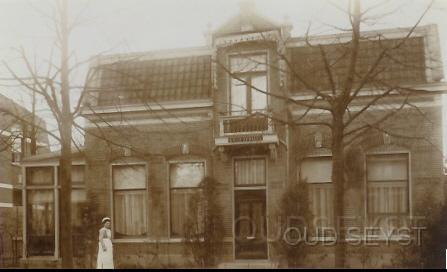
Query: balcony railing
x=241 y=128
x=258 y=122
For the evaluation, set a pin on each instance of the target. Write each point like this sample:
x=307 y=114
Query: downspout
x=287 y=154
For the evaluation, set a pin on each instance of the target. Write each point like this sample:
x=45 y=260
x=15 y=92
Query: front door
x=250 y=224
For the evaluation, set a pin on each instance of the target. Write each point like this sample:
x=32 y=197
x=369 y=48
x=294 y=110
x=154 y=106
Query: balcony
x=242 y=129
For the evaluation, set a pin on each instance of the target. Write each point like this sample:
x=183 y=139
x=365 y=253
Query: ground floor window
x=78 y=212
x=129 y=200
x=184 y=183
x=317 y=172
x=387 y=190
x=42 y=192
x=40 y=222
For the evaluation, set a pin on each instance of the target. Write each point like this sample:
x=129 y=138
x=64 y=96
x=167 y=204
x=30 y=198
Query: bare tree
x=55 y=88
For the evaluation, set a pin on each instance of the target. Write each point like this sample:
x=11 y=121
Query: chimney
x=286 y=28
x=208 y=34
x=247 y=9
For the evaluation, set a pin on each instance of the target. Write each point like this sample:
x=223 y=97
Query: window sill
x=146 y=240
x=154 y=241
x=322 y=239
x=40 y=258
x=379 y=238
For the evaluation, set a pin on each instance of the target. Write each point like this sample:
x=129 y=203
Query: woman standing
x=105 y=250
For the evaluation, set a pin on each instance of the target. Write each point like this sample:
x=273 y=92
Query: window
x=40 y=176
x=79 y=207
x=17 y=197
x=129 y=200
x=40 y=212
x=388 y=193
x=252 y=70
x=249 y=172
x=41 y=205
x=317 y=172
x=184 y=180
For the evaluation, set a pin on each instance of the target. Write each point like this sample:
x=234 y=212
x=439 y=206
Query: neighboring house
x=17 y=141
x=158 y=122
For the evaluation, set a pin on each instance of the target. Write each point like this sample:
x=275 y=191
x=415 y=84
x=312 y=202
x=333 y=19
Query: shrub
x=294 y=212
x=204 y=227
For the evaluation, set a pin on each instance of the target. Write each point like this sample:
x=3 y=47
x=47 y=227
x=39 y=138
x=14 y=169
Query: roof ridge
x=344 y=34
x=157 y=54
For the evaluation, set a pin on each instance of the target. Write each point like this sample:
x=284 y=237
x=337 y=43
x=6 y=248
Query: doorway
x=250 y=224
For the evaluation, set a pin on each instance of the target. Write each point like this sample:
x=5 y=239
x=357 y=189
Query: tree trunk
x=338 y=166
x=66 y=244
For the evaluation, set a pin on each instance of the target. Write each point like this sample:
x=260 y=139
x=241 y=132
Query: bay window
x=184 y=182
x=40 y=211
x=129 y=200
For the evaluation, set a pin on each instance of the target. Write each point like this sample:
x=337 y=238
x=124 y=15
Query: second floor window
x=248 y=84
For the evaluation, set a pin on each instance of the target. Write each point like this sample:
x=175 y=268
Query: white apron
x=105 y=258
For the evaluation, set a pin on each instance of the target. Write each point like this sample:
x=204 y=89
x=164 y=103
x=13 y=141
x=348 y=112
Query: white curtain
x=185 y=179
x=321 y=202
x=387 y=190
x=318 y=172
x=130 y=215
x=181 y=210
x=249 y=172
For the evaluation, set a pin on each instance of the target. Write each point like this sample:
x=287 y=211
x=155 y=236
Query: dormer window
x=248 y=84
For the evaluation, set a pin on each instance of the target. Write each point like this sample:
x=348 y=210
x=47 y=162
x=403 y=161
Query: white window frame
x=170 y=237
x=365 y=193
x=237 y=188
x=229 y=77
x=56 y=190
x=112 y=201
x=299 y=177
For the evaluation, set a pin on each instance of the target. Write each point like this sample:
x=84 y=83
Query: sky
x=123 y=26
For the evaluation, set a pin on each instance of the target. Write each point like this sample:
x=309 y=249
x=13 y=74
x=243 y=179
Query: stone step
x=40 y=263
x=249 y=265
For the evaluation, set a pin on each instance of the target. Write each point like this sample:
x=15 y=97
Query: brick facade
x=163 y=132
